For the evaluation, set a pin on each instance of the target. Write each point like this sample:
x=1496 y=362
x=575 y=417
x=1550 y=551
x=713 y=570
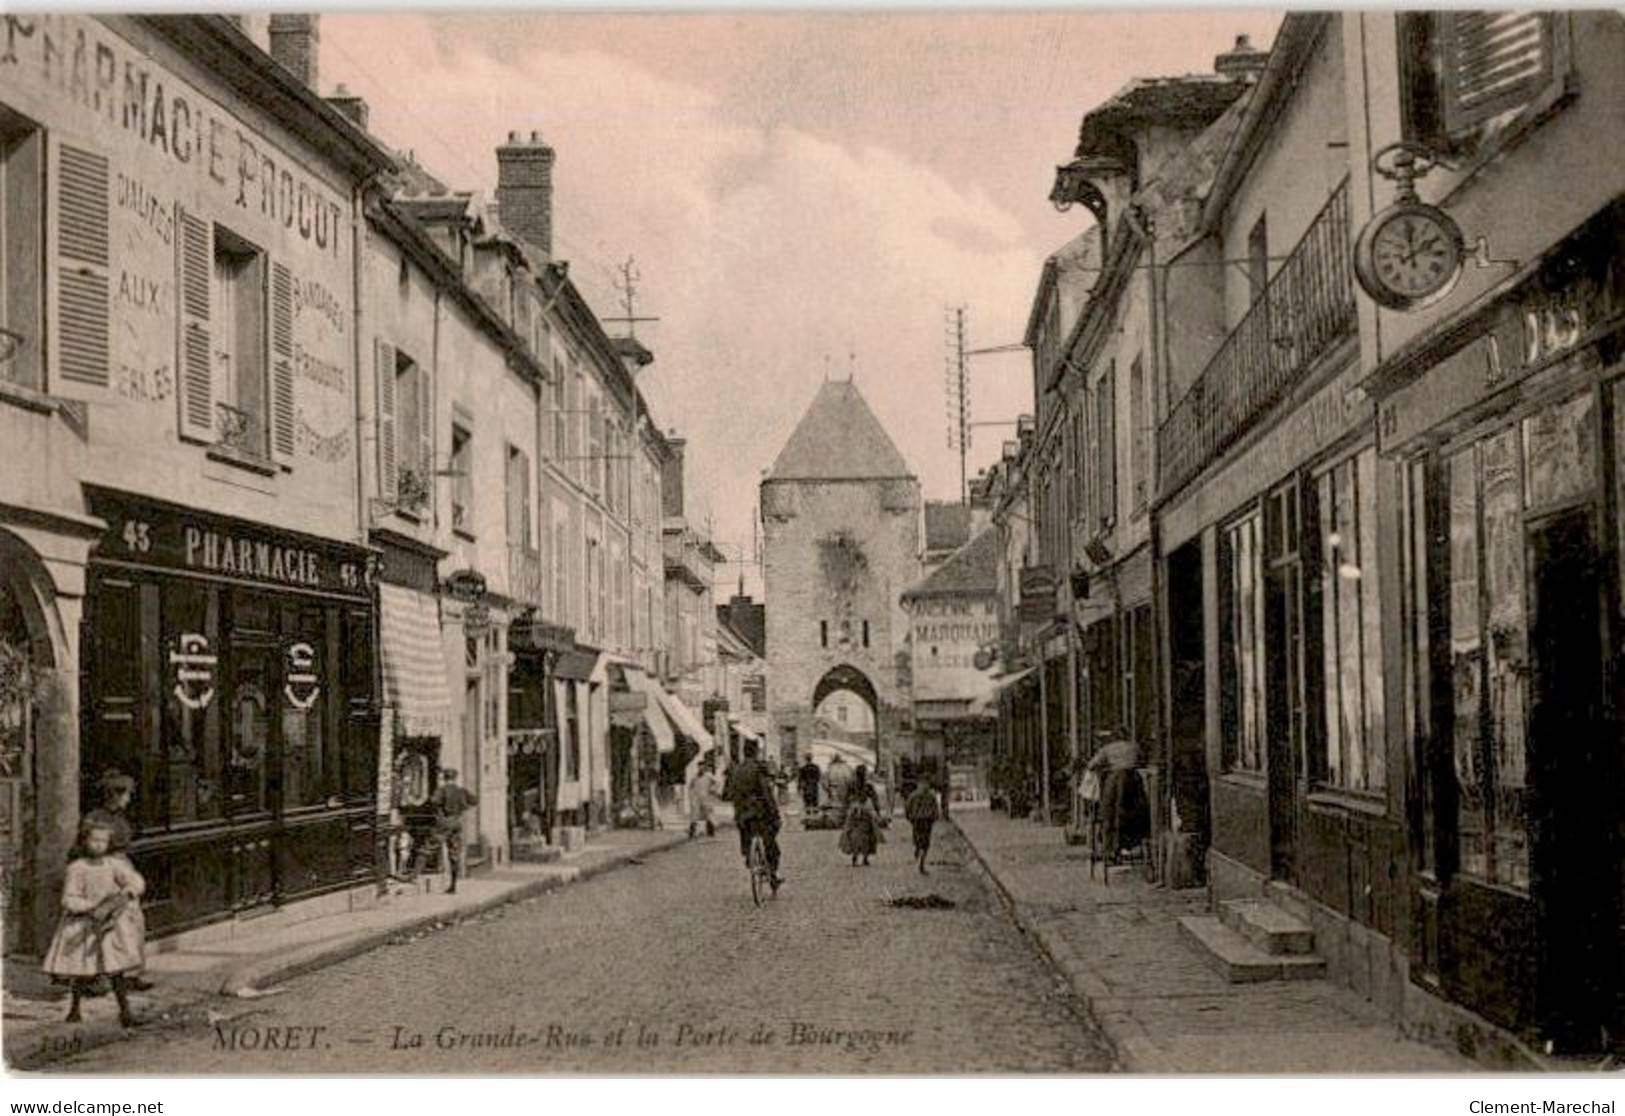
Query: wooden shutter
x=83 y=294
x=384 y=364
x=194 y=360
x=424 y=443
x=1108 y=446
x=282 y=432
x=1492 y=61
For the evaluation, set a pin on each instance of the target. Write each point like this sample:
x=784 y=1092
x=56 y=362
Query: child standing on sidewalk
x=102 y=932
x=921 y=811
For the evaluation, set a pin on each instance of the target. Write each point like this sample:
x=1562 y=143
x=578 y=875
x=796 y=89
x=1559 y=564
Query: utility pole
x=627 y=284
x=956 y=382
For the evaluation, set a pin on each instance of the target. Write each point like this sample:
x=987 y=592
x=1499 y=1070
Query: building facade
x=188 y=568
x=841 y=541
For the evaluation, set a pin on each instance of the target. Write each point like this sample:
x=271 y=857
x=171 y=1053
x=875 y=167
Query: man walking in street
x=809 y=776
x=450 y=803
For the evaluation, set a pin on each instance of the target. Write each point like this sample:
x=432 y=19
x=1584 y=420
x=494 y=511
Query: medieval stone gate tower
x=842 y=538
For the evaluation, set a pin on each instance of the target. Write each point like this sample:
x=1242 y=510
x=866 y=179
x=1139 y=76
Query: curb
x=1123 y=1034
x=58 y=1041
x=253 y=974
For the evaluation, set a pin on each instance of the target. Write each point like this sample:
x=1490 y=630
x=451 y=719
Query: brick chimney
x=1243 y=62
x=295 y=41
x=525 y=190
x=353 y=108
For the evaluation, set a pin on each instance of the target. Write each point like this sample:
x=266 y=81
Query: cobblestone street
x=828 y=977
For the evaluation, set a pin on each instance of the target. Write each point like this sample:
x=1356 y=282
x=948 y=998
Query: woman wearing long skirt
x=862 y=833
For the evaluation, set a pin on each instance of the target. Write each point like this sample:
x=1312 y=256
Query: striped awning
x=687 y=722
x=413 y=661
x=653 y=713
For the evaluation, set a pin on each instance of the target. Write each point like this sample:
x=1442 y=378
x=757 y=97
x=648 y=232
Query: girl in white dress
x=102 y=932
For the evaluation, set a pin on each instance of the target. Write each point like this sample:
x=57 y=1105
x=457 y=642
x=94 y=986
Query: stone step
x=1268 y=926
x=1238 y=960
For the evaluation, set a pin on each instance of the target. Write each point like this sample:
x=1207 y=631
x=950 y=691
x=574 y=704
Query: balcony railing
x=1306 y=309
x=525 y=574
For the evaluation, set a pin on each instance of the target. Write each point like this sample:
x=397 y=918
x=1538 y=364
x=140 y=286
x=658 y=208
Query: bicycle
x=761 y=876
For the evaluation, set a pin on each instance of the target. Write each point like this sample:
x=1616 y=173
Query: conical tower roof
x=839 y=438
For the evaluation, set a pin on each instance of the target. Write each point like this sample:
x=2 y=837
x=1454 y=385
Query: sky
x=805 y=194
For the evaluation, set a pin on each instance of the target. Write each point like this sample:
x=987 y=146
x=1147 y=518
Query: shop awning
x=653 y=714
x=742 y=728
x=414 y=665
x=687 y=722
x=1002 y=684
x=576 y=666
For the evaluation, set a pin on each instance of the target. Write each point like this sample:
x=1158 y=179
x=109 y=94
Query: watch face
x=1415 y=253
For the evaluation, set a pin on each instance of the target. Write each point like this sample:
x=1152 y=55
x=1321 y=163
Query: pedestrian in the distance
x=808 y=777
x=700 y=789
x=102 y=932
x=450 y=803
x=861 y=836
x=116 y=790
x=922 y=811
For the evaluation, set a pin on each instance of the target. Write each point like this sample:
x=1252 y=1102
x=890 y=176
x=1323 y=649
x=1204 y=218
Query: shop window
x=1243 y=646
x=462 y=482
x=1418 y=645
x=572 y=732
x=1351 y=626
x=22 y=214
x=1467 y=75
x=303 y=702
x=1489 y=644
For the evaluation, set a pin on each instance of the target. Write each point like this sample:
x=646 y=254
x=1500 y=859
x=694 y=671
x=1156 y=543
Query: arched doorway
x=27 y=660
x=859 y=738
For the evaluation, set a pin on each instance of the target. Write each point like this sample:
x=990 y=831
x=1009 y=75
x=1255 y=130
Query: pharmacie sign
x=148 y=533
x=114 y=88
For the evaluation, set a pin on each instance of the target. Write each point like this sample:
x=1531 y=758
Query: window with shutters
x=518 y=497
x=561 y=409
x=1469 y=78
x=241 y=392
x=462 y=481
x=1139 y=436
x=578 y=396
x=412 y=421
x=1105 y=424
x=22 y=232
x=595 y=446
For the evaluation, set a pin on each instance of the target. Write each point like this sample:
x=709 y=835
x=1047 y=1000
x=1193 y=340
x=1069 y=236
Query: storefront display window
x=1244 y=645
x=1351 y=625
x=1549 y=458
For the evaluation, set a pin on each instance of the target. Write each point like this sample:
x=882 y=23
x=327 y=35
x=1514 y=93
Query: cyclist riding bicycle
x=756 y=807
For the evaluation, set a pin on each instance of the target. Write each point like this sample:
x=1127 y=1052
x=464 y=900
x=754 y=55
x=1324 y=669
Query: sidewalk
x=1162 y=1007
x=250 y=963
